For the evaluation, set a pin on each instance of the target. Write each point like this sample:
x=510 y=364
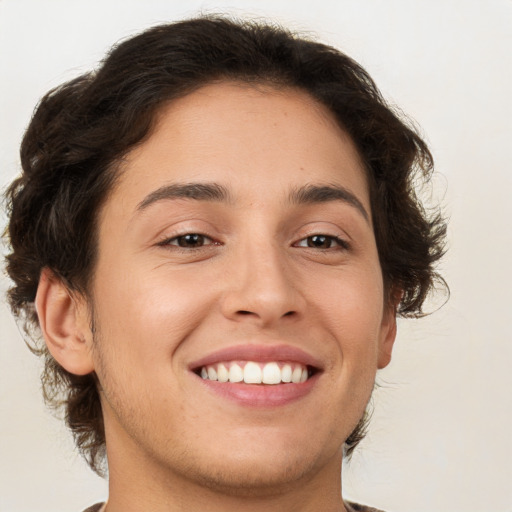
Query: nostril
x=243 y=312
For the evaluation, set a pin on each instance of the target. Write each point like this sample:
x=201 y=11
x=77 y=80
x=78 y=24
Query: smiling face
x=237 y=247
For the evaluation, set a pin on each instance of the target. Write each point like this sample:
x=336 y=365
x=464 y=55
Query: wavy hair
x=81 y=129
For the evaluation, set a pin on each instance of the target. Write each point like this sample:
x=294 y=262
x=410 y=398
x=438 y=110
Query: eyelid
x=341 y=242
x=166 y=240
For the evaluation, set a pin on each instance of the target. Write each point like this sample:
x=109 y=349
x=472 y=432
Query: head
x=88 y=152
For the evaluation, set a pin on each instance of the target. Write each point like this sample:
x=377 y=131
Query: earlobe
x=388 y=333
x=386 y=343
x=61 y=319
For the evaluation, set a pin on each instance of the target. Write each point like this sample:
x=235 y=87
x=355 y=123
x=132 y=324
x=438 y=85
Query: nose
x=261 y=288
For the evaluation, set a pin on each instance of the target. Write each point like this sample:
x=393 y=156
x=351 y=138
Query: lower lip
x=261 y=395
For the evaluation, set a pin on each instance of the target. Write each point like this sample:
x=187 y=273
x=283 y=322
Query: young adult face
x=239 y=233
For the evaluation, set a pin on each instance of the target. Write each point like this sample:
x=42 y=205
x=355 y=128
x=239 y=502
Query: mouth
x=252 y=372
x=259 y=375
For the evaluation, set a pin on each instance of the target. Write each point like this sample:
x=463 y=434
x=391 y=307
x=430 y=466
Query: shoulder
x=95 y=508
x=354 y=507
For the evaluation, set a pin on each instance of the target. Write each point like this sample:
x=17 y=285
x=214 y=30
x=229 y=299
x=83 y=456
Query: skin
x=172 y=444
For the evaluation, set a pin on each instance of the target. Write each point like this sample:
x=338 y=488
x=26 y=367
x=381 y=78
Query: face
x=238 y=296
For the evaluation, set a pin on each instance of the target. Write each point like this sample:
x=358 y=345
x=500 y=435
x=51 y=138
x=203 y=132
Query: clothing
x=95 y=508
x=354 y=507
x=351 y=507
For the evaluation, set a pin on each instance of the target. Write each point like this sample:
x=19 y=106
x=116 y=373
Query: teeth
x=271 y=374
x=256 y=373
x=296 y=374
x=236 y=374
x=286 y=373
x=222 y=373
x=212 y=373
x=252 y=373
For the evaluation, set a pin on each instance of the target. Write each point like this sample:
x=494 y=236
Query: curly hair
x=83 y=128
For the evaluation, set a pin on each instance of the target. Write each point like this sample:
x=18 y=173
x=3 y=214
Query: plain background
x=441 y=434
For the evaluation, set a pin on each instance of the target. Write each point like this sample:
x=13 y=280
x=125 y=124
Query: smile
x=250 y=372
x=258 y=375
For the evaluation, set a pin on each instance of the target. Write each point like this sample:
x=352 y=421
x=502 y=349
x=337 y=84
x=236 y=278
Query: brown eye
x=323 y=242
x=191 y=240
x=188 y=241
x=320 y=241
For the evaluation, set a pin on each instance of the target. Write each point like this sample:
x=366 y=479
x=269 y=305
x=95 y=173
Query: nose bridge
x=261 y=285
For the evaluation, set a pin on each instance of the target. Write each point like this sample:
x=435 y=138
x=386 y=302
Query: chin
x=256 y=470
x=249 y=478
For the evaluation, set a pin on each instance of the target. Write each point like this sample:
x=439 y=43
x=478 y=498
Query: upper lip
x=258 y=353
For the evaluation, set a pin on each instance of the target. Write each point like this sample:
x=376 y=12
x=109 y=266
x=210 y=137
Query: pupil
x=319 y=241
x=191 y=240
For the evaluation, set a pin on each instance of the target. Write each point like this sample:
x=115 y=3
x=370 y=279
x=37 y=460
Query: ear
x=388 y=331
x=64 y=324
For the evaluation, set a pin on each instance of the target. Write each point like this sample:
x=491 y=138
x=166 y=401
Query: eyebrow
x=198 y=191
x=311 y=194
x=308 y=194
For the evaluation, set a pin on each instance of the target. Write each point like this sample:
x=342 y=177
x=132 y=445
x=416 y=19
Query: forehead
x=255 y=140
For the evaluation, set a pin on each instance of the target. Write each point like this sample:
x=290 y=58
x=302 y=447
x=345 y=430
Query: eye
x=188 y=241
x=322 y=242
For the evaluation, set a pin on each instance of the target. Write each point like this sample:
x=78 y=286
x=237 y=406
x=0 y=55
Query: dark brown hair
x=81 y=129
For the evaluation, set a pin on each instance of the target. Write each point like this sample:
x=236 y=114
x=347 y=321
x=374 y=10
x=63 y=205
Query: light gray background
x=441 y=434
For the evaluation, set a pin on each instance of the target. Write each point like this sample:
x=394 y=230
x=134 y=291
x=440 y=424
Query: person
x=211 y=239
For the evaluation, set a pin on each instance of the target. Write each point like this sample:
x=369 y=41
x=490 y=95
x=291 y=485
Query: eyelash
x=342 y=244
x=175 y=242
x=169 y=241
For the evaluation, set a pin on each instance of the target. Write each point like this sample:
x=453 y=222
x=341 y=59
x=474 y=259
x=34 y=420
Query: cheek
x=350 y=303
x=350 y=312
x=147 y=316
x=141 y=322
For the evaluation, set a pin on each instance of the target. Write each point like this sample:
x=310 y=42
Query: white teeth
x=252 y=373
x=297 y=374
x=222 y=373
x=271 y=374
x=212 y=373
x=236 y=374
x=286 y=373
x=255 y=373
